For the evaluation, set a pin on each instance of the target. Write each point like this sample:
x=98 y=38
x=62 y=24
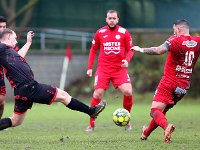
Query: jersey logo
x=105 y=36
x=189 y=43
x=111 y=47
x=117 y=36
x=115 y=51
x=102 y=30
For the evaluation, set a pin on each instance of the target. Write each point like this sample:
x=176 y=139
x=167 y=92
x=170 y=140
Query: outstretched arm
x=22 y=52
x=152 y=50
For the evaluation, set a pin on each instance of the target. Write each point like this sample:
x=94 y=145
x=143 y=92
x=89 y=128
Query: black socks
x=5 y=123
x=79 y=106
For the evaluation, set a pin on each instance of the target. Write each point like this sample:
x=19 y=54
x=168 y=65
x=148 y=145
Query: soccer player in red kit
x=115 y=44
x=183 y=52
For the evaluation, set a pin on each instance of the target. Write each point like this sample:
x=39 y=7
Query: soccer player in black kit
x=28 y=91
x=22 y=51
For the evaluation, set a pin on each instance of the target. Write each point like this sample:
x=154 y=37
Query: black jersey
x=17 y=71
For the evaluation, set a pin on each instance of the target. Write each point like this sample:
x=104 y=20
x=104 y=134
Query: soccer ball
x=121 y=117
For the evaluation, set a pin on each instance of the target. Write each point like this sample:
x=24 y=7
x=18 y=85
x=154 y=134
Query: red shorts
x=119 y=77
x=165 y=91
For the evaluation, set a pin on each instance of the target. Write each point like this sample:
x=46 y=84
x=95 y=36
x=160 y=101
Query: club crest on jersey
x=117 y=36
x=189 y=43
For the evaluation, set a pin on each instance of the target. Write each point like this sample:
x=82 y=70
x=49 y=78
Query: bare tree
x=25 y=12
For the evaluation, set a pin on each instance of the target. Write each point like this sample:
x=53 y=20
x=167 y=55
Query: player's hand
x=137 y=48
x=30 y=35
x=124 y=63
x=89 y=72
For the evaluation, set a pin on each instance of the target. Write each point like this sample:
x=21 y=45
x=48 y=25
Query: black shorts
x=33 y=92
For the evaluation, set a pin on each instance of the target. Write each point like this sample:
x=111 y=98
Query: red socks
x=94 y=102
x=159 y=118
x=128 y=102
x=152 y=126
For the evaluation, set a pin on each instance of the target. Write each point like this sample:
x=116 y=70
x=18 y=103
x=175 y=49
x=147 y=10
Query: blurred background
x=71 y=24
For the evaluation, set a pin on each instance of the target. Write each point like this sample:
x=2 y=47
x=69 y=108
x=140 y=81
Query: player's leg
x=157 y=114
x=126 y=89
x=75 y=104
x=122 y=81
x=162 y=98
x=179 y=93
x=15 y=120
x=97 y=97
x=22 y=104
x=146 y=130
x=101 y=83
x=160 y=109
x=93 y=102
x=47 y=94
x=171 y=127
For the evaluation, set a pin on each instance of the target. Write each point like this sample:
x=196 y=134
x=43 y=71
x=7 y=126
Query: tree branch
x=26 y=7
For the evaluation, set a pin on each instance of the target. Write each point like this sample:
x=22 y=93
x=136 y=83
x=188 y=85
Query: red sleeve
x=169 y=41
x=128 y=46
x=93 y=50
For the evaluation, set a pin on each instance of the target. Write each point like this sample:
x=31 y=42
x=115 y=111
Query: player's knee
x=63 y=97
x=154 y=112
x=128 y=92
x=98 y=95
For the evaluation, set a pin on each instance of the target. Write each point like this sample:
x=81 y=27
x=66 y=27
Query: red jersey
x=115 y=45
x=183 y=54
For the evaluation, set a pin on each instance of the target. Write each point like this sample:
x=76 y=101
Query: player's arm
x=153 y=50
x=22 y=52
x=92 y=54
x=130 y=52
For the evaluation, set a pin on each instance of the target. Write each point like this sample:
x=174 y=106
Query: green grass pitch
x=56 y=128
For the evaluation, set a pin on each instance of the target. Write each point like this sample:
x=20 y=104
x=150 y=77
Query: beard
x=113 y=27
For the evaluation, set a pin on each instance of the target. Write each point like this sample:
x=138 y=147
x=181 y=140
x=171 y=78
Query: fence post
x=42 y=40
x=84 y=45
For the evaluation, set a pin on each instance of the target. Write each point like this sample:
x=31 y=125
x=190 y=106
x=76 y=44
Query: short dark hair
x=5 y=31
x=182 y=22
x=113 y=11
x=3 y=19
